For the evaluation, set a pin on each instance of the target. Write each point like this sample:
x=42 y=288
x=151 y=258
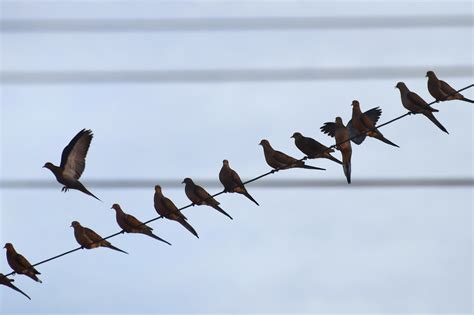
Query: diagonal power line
x=233 y=24
x=273 y=171
x=226 y=75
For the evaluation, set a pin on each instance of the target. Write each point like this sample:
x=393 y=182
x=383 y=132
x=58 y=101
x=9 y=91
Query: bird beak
x=182 y=182
x=70 y=225
x=112 y=207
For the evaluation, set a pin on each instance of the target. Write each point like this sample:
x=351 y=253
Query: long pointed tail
x=150 y=234
x=222 y=211
x=467 y=100
x=332 y=158
x=33 y=276
x=309 y=167
x=188 y=226
x=347 y=171
x=116 y=248
x=87 y=192
x=377 y=135
x=246 y=194
x=18 y=290
x=435 y=121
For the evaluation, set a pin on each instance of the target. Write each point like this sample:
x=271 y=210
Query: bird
x=364 y=123
x=166 y=208
x=73 y=163
x=442 y=91
x=232 y=182
x=89 y=239
x=129 y=224
x=341 y=133
x=200 y=196
x=416 y=105
x=281 y=161
x=20 y=264
x=312 y=148
x=8 y=282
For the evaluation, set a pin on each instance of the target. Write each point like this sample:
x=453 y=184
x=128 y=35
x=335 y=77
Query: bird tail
x=18 y=290
x=435 y=121
x=188 y=226
x=332 y=158
x=467 y=100
x=222 y=211
x=33 y=276
x=347 y=171
x=116 y=248
x=309 y=167
x=150 y=234
x=378 y=135
x=87 y=192
x=246 y=194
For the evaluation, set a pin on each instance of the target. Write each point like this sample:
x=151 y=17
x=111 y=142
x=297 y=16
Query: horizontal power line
x=234 y=23
x=275 y=183
x=229 y=75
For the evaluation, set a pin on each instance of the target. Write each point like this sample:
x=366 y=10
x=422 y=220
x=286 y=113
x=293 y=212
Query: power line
x=378 y=183
x=234 y=24
x=226 y=75
x=248 y=181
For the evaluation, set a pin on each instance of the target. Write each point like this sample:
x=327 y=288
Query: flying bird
x=281 y=161
x=166 y=208
x=341 y=133
x=232 y=182
x=312 y=148
x=20 y=264
x=415 y=104
x=73 y=163
x=364 y=124
x=89 y=239
x=8 y=282
x=128 y=223
x=442 y=91
x=200 y=196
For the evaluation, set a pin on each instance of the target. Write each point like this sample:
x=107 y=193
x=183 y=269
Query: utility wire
x=233 y=24
x=248 y=181
x=226 y=75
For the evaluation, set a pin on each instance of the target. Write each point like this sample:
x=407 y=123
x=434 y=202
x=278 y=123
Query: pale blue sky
x=303 y=250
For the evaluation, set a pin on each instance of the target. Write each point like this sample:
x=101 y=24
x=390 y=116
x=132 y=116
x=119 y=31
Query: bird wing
x=25 y=263
x=93 y=236
x=446 y=88
x=202 y=193
x=170 y=206
x=134 y=222
x=235 y=178
x=73 y=158
x=284 y=158
x=329 y=128
x=373 y=114
x=417 y=100
x=353 y=132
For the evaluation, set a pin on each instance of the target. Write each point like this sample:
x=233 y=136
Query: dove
x=364 y=123
x=442 y=91
x=200 y=196
x=19 y=264
x=73 y=163
x=415 y=104
x=281 y=161
x=232 y=182
x=8 y=282
x=167 y=209
x=312 y=148
x=128 y=223
x=343 y=144
x=89 y=239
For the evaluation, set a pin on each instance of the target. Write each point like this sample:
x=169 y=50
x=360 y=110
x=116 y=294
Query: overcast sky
x=337 y=250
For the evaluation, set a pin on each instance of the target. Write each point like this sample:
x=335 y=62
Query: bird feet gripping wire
x=64 y=189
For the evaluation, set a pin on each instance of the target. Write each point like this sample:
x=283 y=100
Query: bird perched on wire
x=363 y=124
x=89 y=239
x=73 y=163
x=199 y=196
x=166 y=208
x=20 y=264
x=8 y=282
x=232 y=182
x=128 y=223
x=312 y=148
x=442 y=91
x=281 y=161
x=341 y=134
x=415 y=104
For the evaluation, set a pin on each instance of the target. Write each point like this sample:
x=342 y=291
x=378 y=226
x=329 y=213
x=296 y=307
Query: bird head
x=225 y=162
x=400 y=85
x=430 y=74
x=187 y=180
x=75 y=224
x=355 y=103
x=8 y=246
x=158 y=188
x=48 y=165
x=296 y=135
x=116 y=206
x=264 y=142
x=339 y=120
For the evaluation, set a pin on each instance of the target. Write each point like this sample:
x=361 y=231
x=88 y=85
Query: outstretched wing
x=374 y=114
x=353 y=132
x=73 y=158
x=329 y=128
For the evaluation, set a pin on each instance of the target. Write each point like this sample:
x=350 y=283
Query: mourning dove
x=281 y=161
x=73 y=163
x=128 y=223
x=364 y=123
x=19 y=264
x=166 y=208
x=312 y=148
x=343 y=144
x=89 y=239
x=415 y=104
x=200 y=196
x=231 y=181
x=442 y=91
x=8 y=282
